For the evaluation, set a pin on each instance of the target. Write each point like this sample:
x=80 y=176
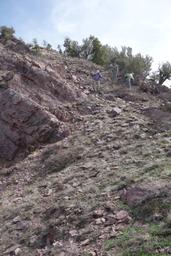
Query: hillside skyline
x=143 y=26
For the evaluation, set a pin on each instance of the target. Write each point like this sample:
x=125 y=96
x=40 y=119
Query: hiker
x=114 y=70
x=129 y=79
x=97 y=77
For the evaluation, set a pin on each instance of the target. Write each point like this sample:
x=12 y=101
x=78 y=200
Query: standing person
x=129 y=79
x=97 y=78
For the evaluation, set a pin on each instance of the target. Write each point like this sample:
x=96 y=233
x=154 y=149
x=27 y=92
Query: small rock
x=117 y=110
x=17 y=251
x=85 y=242
x=20 y=225
x=100 y=221
x=98 y=213
x=73 y=233
x=157 y=217
x=116 y=146
x=114 y=112
x=122 y=216
x=75 y=184
x=49 y=192
x=110 y=221
x=16 y=219
x=143 y=136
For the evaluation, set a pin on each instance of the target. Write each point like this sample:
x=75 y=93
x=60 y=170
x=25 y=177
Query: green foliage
x=87 y=48
x=49 y=46
x=59 y=49
x=72 y=48
x=138 y=64
x=142 y=241
x=164 y=72
x=109 y=244
x=35 y=47
x=98 y=52
x=92 y=49
x=7 y=32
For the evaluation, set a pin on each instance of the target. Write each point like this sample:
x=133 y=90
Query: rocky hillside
x=37 y=98
x=81 y=173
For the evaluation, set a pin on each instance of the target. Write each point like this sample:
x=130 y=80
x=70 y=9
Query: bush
x=49 y=47
x=98 y=52
x=72 y=48
x=164 y=72
x=35 y=47
x=7 y=32
x=138 y=64
x=46 y=45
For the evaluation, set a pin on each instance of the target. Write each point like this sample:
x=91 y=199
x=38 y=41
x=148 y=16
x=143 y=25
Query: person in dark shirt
x=97 y=78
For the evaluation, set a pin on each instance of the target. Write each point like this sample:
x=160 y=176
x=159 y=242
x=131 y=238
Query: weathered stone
x=135 y=195
x=122 y=216
x=18 y=252
x=114 y=112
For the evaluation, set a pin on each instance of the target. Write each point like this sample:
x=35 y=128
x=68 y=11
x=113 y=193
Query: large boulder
x=23 y=123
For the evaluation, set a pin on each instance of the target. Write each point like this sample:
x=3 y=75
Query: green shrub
x=7 y=32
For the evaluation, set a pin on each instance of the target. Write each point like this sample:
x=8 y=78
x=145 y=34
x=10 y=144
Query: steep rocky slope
x=88 y=174
x=36 y=98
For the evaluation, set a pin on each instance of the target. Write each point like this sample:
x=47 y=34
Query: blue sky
x=143 y=25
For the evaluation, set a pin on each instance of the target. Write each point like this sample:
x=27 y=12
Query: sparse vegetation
x=36 y=48
x=141 y=241
x=109 y=244
x=47 y=45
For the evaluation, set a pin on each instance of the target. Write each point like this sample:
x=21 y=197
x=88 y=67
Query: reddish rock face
x=22 y=123
x=35 y=100
x=38 y=97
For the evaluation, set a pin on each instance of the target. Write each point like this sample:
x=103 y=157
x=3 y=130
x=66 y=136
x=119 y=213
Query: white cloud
x=143 y=25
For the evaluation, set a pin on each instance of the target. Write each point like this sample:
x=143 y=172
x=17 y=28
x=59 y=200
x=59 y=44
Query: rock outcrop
x=37 y=95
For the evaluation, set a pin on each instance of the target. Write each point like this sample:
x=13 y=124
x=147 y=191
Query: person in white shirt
x=129 y=79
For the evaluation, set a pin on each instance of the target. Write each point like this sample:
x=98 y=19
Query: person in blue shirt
x=97 y=78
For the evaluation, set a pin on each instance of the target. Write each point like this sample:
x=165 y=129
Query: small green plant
x=109 y=244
